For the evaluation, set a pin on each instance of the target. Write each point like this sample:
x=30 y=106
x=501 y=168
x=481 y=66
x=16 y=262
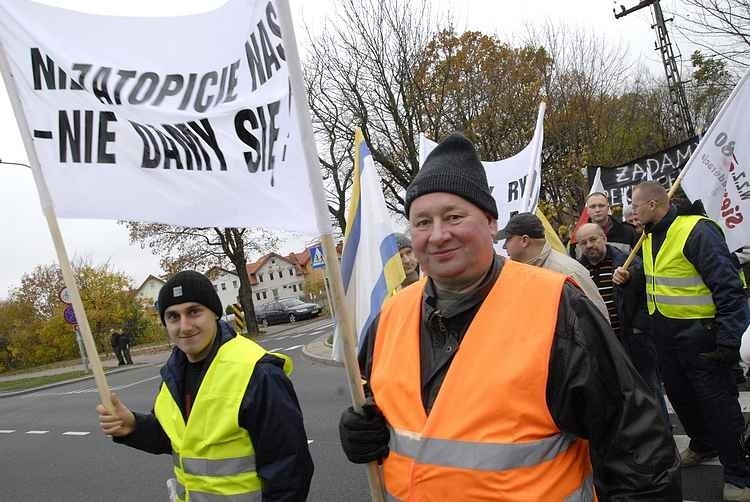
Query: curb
x=74 y=380
x=307 y=351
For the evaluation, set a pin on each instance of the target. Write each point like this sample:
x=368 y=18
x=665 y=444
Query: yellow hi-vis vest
x=673 y=285
x=214 y=458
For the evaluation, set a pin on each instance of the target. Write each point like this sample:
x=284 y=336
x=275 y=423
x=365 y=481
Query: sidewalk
x=320 y=351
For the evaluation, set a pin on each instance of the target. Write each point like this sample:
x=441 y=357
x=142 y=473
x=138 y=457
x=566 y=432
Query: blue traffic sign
x=70 y=315
x=316 y=256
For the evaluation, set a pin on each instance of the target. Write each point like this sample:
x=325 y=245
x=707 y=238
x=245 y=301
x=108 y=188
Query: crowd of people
x=538 y=377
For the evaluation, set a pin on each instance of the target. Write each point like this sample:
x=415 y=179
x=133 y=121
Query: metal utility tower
x=677 y=95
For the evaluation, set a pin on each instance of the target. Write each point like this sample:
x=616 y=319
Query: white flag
x=371 y=267
x=718 y=171
x=183 y=120
x=508 y=178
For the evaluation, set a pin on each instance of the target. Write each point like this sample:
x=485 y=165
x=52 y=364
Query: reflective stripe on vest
x=195 y=496
x=213 y=457
x=478 y=455
x=673 y=285
x=489 y=434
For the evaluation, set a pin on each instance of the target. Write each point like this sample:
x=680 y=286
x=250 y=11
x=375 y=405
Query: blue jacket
x=269 y=412
x=707 y=250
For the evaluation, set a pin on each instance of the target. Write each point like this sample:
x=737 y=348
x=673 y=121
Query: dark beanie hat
x=188 y=286
x=402 y=241
x=453 y=167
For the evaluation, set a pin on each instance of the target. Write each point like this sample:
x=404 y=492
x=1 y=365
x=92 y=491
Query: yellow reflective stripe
x=585 y=493
x=215 y=497
x=677 y=282
x=218 y=467
x=481 y=456
x=683 y=300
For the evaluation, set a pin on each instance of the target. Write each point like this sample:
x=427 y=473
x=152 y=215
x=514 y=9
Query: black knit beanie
x=453 y=167
x=189 y=286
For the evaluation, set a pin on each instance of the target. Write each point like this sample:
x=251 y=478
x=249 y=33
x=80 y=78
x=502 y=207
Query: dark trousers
x=118 y=354
x=125 y=354
x=704 y=396
x=641 y=348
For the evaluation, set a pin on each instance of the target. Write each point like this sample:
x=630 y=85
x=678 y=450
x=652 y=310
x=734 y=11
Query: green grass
x=29 y=383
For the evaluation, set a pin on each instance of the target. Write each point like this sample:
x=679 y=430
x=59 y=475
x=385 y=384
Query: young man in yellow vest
x=698 y=311
x=495 y=380
x=226 y=410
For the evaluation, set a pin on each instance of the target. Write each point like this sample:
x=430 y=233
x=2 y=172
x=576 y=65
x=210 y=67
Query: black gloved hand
x=364 y=436
x=724 y=355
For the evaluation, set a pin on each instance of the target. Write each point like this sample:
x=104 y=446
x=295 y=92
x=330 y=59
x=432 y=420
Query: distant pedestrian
x=124 y=341
x=114 y=341
x=408 y=260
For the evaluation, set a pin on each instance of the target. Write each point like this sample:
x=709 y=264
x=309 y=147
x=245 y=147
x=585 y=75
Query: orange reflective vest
x=489 y=435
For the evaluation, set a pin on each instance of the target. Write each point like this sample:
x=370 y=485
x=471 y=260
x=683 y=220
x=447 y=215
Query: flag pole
x=536 y=154
x=54 y=229
x=344 y=316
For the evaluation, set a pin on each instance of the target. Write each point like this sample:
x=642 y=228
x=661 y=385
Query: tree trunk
x=246 y=300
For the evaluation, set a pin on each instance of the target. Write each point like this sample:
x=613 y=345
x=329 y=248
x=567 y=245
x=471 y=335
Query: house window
x=294 y=288
x=280 y=275
x=260 y=277
x=264 y=295
x=270 y=275
x=275 y=294
x=291 y=271
x=257 y=296
x=234 y=283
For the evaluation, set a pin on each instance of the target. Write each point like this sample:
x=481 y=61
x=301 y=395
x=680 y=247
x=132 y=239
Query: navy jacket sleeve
x=594 y=392
x=707 y=250
x=147 y=436
x=272 y=415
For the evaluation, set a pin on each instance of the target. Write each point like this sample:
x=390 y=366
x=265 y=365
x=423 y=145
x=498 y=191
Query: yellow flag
x=550 y=234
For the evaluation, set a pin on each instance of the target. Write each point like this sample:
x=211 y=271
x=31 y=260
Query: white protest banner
x=717 y=172
x=179 y=120
x=508 y=177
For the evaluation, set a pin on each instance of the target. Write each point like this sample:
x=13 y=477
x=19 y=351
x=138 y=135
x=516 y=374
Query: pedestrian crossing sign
x=316 y=255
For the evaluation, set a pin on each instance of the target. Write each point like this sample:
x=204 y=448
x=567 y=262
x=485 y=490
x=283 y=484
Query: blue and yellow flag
x=370 y=263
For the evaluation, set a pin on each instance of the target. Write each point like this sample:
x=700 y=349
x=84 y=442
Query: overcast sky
x=25 y=237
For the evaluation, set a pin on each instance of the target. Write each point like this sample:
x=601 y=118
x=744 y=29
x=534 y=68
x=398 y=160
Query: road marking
x=7 y=431
x=293 y=347
x=301 y=334
x=136 y=383
x=37 y=432
x=75 y=433
x=310 y=441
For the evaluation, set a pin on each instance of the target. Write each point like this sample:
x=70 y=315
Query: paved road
x=51 y=449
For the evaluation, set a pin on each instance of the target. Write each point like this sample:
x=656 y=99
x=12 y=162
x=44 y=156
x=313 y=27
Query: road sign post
x=70 y=317
x=84 y=360
x=317 y=260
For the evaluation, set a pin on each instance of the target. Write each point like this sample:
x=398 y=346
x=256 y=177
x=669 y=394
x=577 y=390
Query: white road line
x=136 y=383
x=301 y=334
x=37 y=432
x=75 y=433
x=7 y=431
x=310 y=441
x=293 y=347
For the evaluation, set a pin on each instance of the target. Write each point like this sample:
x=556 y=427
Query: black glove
x=364 y=436
x=723 y=355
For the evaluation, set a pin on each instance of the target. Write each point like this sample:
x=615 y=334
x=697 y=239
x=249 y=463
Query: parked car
x=286 y=310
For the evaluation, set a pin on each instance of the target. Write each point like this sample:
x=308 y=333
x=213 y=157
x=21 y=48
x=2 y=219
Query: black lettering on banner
x=201 y=106
x=169 y=149
x=253 y=61
x=261 y=137
x=148 y=78
x=124 y=75
x=188 y=91
x=189 y=147
x=41 y=69
x=232 y=82
x=206 y=133
x=172 y=84
x=76 y=137
x=516 y=188
x=83 y=70
x=269 y=54
x=151 y=152
x=195 y=141
x=275 y=28
x=99 y=85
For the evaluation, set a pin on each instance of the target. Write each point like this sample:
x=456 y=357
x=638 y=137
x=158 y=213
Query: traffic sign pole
x=84 y=361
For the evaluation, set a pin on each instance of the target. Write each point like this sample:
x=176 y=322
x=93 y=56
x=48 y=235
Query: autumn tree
x=33 y=329
x=182 y=248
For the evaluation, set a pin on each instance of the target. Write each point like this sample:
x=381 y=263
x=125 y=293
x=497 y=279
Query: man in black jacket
x=699 y=312
x=268 y=423
x=624 y=293
x=592 y=391
x=620 y=235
